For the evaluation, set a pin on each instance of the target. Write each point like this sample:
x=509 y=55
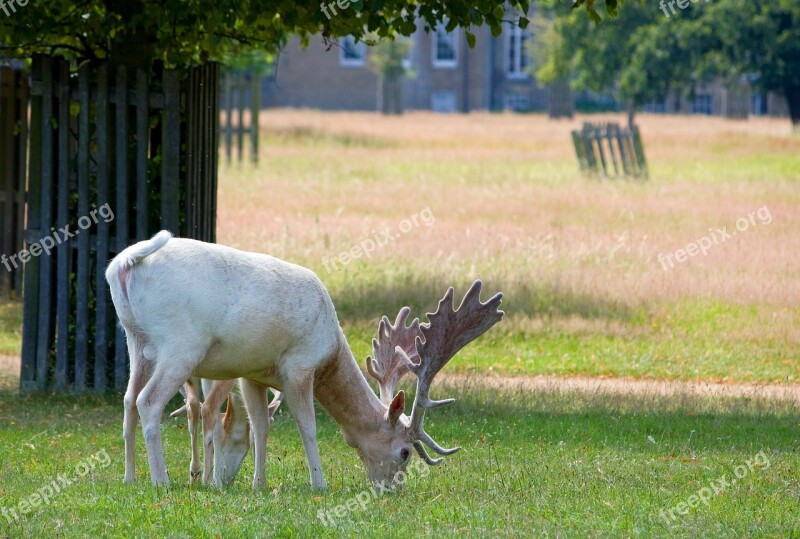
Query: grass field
x=550 y=464
x=496 y=197
x=577 y=258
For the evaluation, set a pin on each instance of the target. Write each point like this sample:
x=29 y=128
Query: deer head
x=448 y=330
x=236 y=438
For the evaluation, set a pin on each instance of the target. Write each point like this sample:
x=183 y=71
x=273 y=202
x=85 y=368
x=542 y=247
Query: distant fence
x=610 y=150
x=115 y=155
x=241 y=102
x=13 y=173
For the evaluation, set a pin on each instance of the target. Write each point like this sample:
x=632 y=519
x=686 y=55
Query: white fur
x=197 y=309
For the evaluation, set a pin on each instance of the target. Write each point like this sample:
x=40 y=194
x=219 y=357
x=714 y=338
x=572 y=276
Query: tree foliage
x=184 y=32
x=645 y=51
x=388 y=60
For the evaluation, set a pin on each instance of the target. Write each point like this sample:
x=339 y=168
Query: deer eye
x=405 y=453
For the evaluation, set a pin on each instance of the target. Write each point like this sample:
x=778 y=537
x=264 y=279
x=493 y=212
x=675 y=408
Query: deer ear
x=229 y=416
x=396 y=408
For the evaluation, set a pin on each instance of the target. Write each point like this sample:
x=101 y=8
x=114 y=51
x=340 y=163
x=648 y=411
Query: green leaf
x=470 y=39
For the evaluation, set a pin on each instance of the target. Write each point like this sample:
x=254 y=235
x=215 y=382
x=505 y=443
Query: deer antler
x=388 y=367
x=448 y=332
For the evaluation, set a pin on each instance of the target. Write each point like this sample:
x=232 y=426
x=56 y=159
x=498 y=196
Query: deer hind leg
x=168 y=377
x=139 y=376
x=214 y=393
x=193 y=415
x=299 y=393
x=255 y=398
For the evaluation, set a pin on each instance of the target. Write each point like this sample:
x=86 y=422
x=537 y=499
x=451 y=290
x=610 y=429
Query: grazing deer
x=226 y=438
x=198 y=309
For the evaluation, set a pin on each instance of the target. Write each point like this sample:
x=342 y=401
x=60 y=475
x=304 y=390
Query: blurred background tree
x=389 y=60
x=643 y=54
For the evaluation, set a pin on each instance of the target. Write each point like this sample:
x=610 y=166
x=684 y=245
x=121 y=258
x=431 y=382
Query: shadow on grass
x=355 y=300
x=670 y=426
x=312 y=136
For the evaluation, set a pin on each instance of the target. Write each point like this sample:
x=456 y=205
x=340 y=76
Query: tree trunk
x=397 y=96
x=631 y=113
x=390 y=98
x=380 y=97
x=792 y=93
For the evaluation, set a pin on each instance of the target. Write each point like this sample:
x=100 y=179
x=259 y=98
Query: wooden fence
x=610 y=150
x=115 y=155
x=241 y=93
x=13 y=173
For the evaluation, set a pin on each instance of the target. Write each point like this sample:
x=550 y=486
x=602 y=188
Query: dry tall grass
x=509 y=204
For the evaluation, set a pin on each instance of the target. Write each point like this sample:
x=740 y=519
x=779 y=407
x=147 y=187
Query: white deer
x=226 y=438
x=197 y=309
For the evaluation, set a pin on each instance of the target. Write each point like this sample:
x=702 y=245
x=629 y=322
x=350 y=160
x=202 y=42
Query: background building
x=448 y=75
x=451 y=77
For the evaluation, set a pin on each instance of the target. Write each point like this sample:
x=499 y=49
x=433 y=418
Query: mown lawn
x=532 y=464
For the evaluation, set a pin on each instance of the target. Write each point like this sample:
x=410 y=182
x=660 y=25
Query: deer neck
x=341 y=388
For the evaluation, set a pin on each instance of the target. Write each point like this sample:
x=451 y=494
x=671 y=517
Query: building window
x=443 y=101
x=703 y=104
x=352 y=54
x=445 y=47
x=516 y=52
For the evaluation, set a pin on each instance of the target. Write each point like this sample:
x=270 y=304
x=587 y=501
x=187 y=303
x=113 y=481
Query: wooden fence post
x=64 y=251
x=228 y=115
x=241 y=84
x=13 y=174
x=30 y=313
x=121 y=221
x=255 y=108
x=103 y=233
x=34 y=233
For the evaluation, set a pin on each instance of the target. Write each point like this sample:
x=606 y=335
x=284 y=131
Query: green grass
x=10 y=327
x=552 y=464
x=692 y=340
x=688 y=340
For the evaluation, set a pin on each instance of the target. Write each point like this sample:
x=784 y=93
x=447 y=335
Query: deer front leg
x=299 y=392
x=255 y=398
x=210 y=414
x=193 y=415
